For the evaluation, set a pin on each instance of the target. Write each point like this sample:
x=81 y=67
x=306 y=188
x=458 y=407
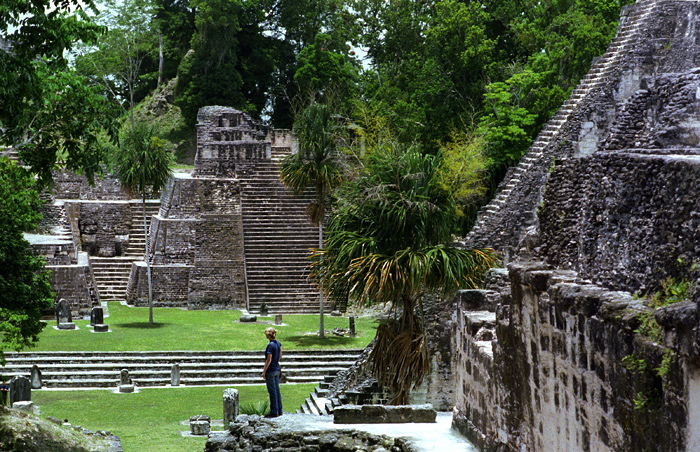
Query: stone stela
x=125 y=383
x=64 y=316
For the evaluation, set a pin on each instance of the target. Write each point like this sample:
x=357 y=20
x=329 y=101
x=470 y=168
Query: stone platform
x=312 y=430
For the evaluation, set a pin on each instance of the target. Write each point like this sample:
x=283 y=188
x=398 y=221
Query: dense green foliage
x=143 y=163
x=48 y=112
x=387 y=243
x=25 y=287
x=492 y=69
x=120 y=59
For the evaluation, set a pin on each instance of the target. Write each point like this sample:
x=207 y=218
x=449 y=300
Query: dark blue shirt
x=274 y=348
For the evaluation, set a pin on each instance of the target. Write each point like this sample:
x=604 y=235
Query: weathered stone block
x=384 y=414
x=200 y=425
x=231 y=405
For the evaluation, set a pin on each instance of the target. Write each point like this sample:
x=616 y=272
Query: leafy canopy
x=25 y=287
x=142 y=161
x=386 y=243
x=47 y=111
x=319 y=163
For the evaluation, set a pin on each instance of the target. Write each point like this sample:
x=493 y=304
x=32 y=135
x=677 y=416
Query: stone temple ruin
x=228 y=235
x=605 y=204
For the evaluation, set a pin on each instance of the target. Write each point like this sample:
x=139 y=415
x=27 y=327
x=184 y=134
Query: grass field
x=178 y=329
x=152 y=420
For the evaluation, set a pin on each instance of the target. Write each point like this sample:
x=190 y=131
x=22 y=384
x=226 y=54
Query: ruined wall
x=73 y=282
x=623 y=220
x=645 y=96
x=170 y=285
x=196 y=241
x=68 y=185
x=104 y=227
x=555 y=380
x=228 y=143
x=550 y=361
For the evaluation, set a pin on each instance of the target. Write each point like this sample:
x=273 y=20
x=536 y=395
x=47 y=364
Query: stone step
x=153 y=369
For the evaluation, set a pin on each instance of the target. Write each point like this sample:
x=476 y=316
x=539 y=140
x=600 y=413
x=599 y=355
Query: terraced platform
x=94 y=370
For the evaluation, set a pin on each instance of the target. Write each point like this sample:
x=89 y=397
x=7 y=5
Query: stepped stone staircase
x=11 y=153
x=629 y=32
x=321 y=402
x=93 y=370
x=112 y=273
x=277 y=237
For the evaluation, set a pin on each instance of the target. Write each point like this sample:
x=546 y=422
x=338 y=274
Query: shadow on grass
x=142 y=325
x=328 y=341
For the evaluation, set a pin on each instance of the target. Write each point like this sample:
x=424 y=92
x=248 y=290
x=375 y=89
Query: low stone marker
x=20 y=390
x=231 y=405
x=64 y=316
x=97 y=316
x=175 y=375
x=351 y=319
x=36 y=377
x=278 y=319
x=263 y=309
x=384 y=414
x=125 y=383
x=336 y=313
x=200 y=425
x=101 y=328
x=248 y=318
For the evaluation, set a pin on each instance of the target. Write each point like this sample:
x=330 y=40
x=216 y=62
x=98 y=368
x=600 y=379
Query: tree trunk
x=160 y=58
x=148 y=265
x=321 y=331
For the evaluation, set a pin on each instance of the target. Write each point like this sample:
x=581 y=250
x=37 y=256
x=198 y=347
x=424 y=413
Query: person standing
x=271 y=372
x=4 y=390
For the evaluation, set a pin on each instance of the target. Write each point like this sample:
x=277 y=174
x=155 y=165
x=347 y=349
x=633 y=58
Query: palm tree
x=386 y=243
x=141 y=162
x=317 y=164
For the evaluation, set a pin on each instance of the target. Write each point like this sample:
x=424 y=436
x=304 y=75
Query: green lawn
x=178 y=329
x=151 y=420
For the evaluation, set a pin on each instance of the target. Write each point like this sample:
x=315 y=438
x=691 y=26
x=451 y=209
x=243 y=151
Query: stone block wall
x=174 y=239
x=104 y=227
x=170 y=285
x=649 y=102
x=623 y=220
x=555 y=377
x=73 y=283
x=228 y=142
x=218 y=277
x=56 y=253
x=196 y=241
x=69 y=185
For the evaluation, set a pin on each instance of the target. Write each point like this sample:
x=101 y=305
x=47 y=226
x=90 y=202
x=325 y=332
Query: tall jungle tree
x=48 y=113
x=118 y=59
x=142 y=162
x=318 y=164
x=387 y=243
x=231 y=62
x=25 y=286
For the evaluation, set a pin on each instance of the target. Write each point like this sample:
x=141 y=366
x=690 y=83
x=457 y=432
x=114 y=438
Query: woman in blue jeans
x=271 y=372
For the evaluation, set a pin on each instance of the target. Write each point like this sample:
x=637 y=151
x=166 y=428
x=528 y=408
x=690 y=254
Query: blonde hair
x=271 y=332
